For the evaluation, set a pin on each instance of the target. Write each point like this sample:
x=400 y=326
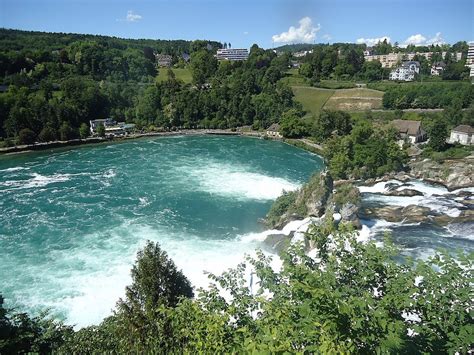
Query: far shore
x=96 y=140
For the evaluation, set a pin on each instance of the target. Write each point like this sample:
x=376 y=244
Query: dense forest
x=347 y=298
x=62 y=81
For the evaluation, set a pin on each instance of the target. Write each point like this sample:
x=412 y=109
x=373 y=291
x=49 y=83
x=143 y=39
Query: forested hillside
x=58 y=82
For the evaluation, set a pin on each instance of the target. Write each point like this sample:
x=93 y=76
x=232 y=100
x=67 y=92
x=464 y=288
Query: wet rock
x=408 y=214
x=404 y=192
x=277 y=242
x=350 y=213
x=414 y=213
x=453 y=174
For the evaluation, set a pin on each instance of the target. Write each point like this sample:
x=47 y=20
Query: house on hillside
x=163 y=60
x=410 y=130
x=273 y=131
x=437 y=68
x=186 y=57
x=405 y=72
x=463 y=134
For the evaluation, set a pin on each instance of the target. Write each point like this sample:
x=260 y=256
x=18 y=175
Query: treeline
x=429 y=95
x=32 y=41
x=385 y=47
x=353 y=148
x=53 y=94
x=345 y=61
x=225 y=95
x=349 y=298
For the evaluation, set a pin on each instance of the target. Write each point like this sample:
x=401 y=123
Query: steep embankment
x=318 y=196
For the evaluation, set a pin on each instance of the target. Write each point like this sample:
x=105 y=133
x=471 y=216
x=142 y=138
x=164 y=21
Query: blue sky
x=245 y=22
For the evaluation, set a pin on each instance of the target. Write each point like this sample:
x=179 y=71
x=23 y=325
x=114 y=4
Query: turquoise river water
x=72 y=220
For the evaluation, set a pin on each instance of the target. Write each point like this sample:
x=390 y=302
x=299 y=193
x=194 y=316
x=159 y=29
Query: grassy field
x=355 y=100
x=181 y=74
x=312 y=99
x=292 y=78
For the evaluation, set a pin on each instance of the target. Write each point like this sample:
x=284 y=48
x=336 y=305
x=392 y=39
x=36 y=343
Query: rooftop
x=464 y=128
x=407 y=126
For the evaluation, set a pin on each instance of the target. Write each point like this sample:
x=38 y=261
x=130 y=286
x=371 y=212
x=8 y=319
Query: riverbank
x=96 y=140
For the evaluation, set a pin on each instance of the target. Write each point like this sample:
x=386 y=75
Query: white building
x=233 y=54
x=273 y=131
x=437 y=68
x=462 y=134
x=112 y=128
x=405 y=72
x=470 y=60
x=410 y=130
x=163 y=60
x=387 y=60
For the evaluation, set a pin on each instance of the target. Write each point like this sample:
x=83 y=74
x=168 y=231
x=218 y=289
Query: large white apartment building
x=232 y=54
x=405 y=72
x=390 y=60
x=470 y=60
x=387 y=60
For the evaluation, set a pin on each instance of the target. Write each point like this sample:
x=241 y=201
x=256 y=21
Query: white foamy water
x=37 y=180
x=433 y=196
x=88 y=292
x=238 y=182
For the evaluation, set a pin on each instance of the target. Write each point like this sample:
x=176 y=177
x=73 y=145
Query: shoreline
x=26 y=148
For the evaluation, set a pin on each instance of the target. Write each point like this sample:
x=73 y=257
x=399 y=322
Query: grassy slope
x=181 y=74
x=312 y=99
x=355 y=100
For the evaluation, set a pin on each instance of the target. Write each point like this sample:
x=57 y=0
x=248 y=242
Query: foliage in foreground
x=348 y=298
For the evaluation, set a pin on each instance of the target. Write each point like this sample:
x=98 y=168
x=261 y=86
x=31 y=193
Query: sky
x=243 y=23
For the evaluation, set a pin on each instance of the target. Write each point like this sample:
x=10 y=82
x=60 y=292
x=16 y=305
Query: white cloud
x=305 y=33
x=131 y=17
x=372 y=41
x=437 y=39
x=417 y=39
x=246 y=33
x=420 y=40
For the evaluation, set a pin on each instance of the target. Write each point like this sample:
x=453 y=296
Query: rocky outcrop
x=309 y=201
x=408 y=214
x=453 y=174
x=315 y=194
x=404 y=192
x=277 y=242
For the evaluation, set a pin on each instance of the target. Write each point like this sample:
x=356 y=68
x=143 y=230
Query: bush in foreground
x=346 y=298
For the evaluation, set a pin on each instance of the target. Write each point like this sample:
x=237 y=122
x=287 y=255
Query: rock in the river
x=453 y=174
x=404 y=192
x=408 y=214
x=350 y=213
x=277 y=242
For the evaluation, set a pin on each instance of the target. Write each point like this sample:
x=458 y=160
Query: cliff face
x=319 y=195
x=453 y=174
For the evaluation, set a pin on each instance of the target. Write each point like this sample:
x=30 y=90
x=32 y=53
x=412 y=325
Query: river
x=72 y=220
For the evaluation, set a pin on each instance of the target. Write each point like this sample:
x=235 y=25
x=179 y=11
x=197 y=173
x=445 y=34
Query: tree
x=292 y=125
x=203 y=65
x=155 y=281
x=330 y=122
x=66 y=132
x=47 y=134
x=84 y=131
x=21 y=334
x=438 y=135
x=26 y=136
x=101 y=130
